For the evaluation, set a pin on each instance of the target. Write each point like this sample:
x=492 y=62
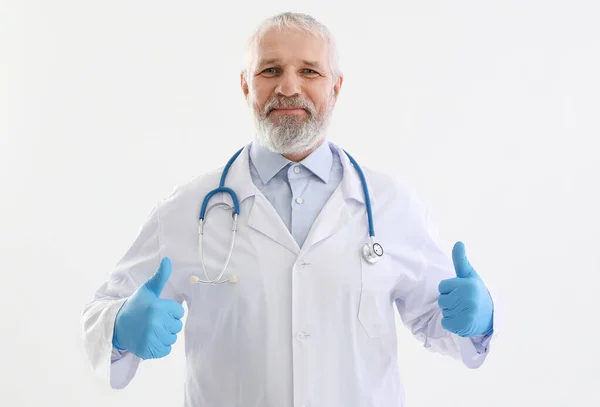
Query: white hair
x=291 y=20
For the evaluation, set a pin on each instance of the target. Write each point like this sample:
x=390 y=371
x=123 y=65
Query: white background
x=491 y=108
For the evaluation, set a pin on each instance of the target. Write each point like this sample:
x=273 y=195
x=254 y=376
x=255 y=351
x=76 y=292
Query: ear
x=244 y=85
x=337 y=86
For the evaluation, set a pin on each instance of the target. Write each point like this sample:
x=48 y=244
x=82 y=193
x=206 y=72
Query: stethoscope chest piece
x=372 y=252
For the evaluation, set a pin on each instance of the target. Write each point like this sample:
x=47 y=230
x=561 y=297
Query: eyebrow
x=270 y=61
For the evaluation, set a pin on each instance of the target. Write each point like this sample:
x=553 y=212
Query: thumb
x=461 y=264
x=157 y=282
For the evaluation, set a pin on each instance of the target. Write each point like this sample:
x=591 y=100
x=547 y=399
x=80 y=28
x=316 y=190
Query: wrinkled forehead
x=289 y=46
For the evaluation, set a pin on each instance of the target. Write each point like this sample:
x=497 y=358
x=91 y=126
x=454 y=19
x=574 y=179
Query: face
x=291 y=91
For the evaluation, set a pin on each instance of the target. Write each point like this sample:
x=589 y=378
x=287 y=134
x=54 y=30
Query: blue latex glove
x=147 y=325
x=466 y=304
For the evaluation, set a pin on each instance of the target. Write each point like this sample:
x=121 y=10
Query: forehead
x=291 y=45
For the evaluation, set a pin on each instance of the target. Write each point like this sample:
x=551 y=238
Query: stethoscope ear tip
x=233 y=279
x=194 y=279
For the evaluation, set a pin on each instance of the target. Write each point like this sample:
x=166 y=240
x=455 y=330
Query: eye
x=311 y=72
x=270 y=71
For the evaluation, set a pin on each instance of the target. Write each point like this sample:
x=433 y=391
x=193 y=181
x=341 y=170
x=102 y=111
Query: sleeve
x=417 y=301
x=138 y=264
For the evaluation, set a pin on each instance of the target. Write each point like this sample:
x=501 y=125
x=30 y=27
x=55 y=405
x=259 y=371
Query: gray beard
x=292 y=134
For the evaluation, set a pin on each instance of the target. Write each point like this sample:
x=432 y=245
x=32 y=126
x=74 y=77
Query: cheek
x=260 y=90
x=322 y=98
x=258 y=98
x=324 y=105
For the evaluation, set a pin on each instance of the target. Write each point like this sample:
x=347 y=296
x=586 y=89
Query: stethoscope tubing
x=371 y=251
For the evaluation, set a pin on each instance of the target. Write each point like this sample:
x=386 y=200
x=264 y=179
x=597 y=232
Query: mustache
x=295 y=102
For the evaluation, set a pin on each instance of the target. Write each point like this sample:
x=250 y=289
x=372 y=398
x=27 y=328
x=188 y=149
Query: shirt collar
x=268 y=163
x=319 y=162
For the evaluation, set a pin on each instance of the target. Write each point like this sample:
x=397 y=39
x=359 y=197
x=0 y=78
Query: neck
x=299 y=157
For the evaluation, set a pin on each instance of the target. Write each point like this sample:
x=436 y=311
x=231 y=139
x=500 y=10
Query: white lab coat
x=310 y=326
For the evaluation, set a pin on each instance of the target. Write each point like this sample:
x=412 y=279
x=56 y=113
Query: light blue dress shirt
x=297 y=191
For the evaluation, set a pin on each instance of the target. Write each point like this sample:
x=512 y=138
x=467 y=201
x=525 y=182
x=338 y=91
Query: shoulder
x=397 y=202
x=392 y=189
x=188 y=195
x=389 y=190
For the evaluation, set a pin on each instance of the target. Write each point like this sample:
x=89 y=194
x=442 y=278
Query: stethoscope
x=371 y=251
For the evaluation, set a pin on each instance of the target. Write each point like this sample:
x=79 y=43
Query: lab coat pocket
x=375 y=310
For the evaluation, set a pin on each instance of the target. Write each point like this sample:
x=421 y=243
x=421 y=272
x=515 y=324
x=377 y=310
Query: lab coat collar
x=262 y=216
x=336 y=213
x=333 y=217
x=351 y=184
x=239 y=178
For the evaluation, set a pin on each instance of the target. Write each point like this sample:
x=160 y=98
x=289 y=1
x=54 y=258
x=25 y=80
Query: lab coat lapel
x=262 y=217
x=336 y=214
x=330 y=220
x=265 y=219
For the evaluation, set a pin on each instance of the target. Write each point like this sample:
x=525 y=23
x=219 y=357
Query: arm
x=138 y=264
x=417 y=300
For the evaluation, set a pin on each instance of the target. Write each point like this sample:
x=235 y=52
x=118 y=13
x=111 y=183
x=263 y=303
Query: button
x=296 y=169
x=299 y=200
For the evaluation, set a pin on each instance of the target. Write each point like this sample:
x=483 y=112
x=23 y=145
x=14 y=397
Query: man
x=298 y=317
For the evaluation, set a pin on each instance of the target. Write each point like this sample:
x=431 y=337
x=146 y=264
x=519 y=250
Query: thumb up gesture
x=147 y=325
x=465 y=302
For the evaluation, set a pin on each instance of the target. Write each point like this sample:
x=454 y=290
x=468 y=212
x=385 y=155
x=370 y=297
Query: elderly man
x=294 y=304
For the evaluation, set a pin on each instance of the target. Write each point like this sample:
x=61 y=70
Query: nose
x=289 y=85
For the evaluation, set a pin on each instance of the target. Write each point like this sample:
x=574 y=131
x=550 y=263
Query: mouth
x=288 y=110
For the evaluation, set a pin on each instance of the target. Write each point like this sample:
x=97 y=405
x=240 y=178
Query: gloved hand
x=147 y=325
x=466 y=304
